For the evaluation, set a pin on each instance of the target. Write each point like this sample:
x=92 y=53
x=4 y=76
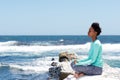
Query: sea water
x=29 y=57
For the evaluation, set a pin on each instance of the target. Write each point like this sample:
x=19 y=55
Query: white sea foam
x=37 y=48
x=31 y=68
x=8 y=43
x=108 y=57
x=40 y=67
x=111 y=47
x=111 y=57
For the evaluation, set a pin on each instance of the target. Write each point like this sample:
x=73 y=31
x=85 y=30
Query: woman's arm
x=92 y=57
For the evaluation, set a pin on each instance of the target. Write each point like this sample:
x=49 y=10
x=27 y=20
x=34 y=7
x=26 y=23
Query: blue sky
x=58 y=17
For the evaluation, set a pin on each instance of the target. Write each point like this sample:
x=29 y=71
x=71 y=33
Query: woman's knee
x=94 y=72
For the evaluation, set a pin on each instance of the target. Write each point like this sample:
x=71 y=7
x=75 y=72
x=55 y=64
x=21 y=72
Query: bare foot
x=78 y=75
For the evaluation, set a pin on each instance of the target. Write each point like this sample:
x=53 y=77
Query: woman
x=93 y=64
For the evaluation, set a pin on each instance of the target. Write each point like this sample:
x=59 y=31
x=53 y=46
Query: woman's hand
x=75 y=61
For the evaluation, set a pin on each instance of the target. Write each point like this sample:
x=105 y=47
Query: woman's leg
x=88 y=70
x=76 y=74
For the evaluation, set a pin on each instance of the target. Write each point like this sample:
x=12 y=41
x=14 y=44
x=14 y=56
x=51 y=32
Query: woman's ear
x=95 y=33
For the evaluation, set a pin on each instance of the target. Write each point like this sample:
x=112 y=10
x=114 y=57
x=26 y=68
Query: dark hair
x=96 y=27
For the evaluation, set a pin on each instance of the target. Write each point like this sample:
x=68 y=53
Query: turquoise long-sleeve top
x=94 y=55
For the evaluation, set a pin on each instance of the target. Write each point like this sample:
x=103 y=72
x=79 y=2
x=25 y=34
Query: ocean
x=29 y=57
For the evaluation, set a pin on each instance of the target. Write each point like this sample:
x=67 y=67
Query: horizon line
x=61 y=35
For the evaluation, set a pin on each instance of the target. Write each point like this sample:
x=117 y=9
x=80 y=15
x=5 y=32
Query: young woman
x=93 y=64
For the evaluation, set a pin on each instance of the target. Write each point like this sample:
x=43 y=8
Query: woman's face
x=91 y=32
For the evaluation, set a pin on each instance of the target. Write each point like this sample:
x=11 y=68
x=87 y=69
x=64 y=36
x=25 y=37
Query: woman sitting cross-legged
x=93 y=64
